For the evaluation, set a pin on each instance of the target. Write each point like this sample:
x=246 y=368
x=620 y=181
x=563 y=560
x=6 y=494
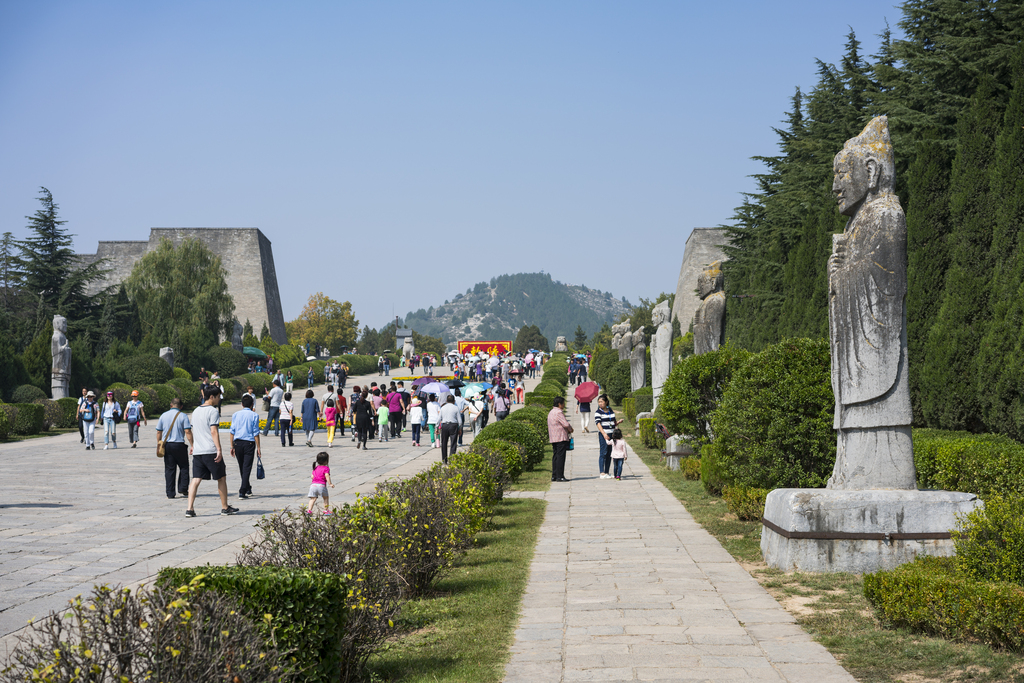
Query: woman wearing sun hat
x=111 y=414
x=133 y=413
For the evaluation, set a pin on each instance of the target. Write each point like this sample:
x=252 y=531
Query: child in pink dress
x=618 y=452
x=330 y=419
x=321 y=480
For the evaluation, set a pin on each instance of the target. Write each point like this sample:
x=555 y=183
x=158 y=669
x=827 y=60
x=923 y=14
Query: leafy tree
x=328 y=322
x=580 y=339
x=119 y=320
x=369 y=341
x=530 y=337
x=179 y=289
x=426 y=344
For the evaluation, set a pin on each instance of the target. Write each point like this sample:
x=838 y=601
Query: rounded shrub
x=68 y=413
x=487 y=471
x=187 y=392
x=533 y=399
x=150 y=402
x=694 y=389
x=989 y=541
x=549 y=389
x=260 y=381
x=165 y=394
x=773 y=426
x=122 y=394
x=29 y=419
x=181 y=373
x=145 y=368
x=27 y=393
x=227 y=361
x=533 y=414
x=231 y=392
x=513 y=459
x=518 y=432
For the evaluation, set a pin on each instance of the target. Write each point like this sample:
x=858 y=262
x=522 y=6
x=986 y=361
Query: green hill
x=496 y=310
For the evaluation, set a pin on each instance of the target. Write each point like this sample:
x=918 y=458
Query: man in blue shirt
x=175 y=424
x=245 y=443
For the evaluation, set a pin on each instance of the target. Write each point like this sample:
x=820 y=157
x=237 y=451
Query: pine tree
x=247 y=329
x=11 y=277
x=949 y=399
x=264 y=331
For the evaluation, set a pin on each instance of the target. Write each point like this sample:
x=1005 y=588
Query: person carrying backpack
x=502 y=401
x=111 y=414
x=88 y=411
x=134 y=412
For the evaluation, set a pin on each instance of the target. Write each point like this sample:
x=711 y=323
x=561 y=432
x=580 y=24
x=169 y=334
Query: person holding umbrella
x=585 y=393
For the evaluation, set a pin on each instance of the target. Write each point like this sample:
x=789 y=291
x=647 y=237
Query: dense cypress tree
x=949 y=399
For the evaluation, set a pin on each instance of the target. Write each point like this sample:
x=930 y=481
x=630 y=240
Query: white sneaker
x=105 y=447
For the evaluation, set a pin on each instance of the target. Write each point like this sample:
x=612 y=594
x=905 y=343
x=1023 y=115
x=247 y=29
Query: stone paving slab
x=626 y=586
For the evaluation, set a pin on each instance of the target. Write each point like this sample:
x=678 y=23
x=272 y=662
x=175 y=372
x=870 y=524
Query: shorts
x=317 y=490
x=203 y=467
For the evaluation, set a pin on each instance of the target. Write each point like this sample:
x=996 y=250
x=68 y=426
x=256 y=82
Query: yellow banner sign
x=493 y=348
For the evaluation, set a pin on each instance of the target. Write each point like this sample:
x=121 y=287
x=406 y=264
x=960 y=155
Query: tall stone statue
x=60 y=373
x=638 y=360
x=236 y=337
x=408 y=348
x=661 y=348
x=868 y=319
x=707 y=321
x=167 y=353
x=626 y=341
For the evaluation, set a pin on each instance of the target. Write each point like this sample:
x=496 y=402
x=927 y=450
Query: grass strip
x=464 y=631
x=539 y=478
x=832 y=607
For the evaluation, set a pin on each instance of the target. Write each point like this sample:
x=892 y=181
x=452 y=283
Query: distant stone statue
x=868 y=319
x=626 y=342
x=561 y=345
x=60 y=373
x=617 y=337
x=167 y=353
x=638 y=361
x=408 y=349
x=707 y=321
x=661 y=348
x=236 y=337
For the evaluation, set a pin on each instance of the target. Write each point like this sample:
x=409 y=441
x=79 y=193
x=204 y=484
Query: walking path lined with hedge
x=625 y=585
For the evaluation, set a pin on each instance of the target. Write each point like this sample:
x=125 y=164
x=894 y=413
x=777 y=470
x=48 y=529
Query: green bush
x=619 y=382
x=983 y=464
x=629 y=410
x=68 y=413
x=122 y=394
x=260 y=381
x=690 y=467
x=745 y=502
x=181 y=373
x=513 y=457
x=307 y=617
x=150 y=402
x=165 y=394
x=929 y=596
x=231 y=392
x=145 y=369
x=773 y=426
x=187 y=392
x=526 y=435
x=51 y=413
x=601 y=365
x=226 y=361
x=643 y=400
x=29 y=419
x=649 y=435
x=989 y=541
x=27 y=393
x=534 y=415
x=552 y=389
x=694 y=389
x=713 y=476
x=484 y=469
x=357 y=365
x=533 y=399
x=5 y=423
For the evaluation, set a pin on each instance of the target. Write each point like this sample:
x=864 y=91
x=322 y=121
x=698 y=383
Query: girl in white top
x=110 y=412
x=618 y=452
x=416 y=420
x=433 y=415
x=287 y=418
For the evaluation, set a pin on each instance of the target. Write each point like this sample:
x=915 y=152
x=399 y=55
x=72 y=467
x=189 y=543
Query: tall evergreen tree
x=949 y=399
x=11 y=277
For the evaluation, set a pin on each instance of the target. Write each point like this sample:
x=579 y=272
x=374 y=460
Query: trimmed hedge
x=520 y=432
x=746 y=502
x=643 y=400
x=165 y=394
x=28 y=419
x=68 y=412
x=5 y=422
x=929 y=596
x=259 y=381
x=227 y=361
x=150 y=402
x=513 y=455
x=539 y=400
x=983 y=464
x=690 y=467
x=307 y=609
x=619 y=382
x=989 y=541
x=51 y=413
x=533 y=415
x=649 y=435
x=28 y=393
x=145 y=368
x=181 y=373
x=552 y=389
x=187 y=391
x=629 y=410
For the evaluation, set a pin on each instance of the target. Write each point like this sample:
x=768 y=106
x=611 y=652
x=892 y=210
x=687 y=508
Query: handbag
x=572 y=444
x=160 y=443
x=260 y=472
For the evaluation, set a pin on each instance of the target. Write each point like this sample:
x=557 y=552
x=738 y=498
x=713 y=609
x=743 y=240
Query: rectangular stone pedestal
x=821 y=530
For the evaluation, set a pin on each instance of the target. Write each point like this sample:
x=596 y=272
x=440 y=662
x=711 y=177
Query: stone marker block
x=868 y=530
x=672 y=461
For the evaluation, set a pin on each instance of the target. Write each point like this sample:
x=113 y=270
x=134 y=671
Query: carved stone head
x=661 y=313
x=865 y=167
x=710 y=280
x=60 y=324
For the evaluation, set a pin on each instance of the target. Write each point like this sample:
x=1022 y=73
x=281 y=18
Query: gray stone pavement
x=71 y=518
x=626 y=586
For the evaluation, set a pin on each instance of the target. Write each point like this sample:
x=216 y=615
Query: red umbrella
x=587 y=392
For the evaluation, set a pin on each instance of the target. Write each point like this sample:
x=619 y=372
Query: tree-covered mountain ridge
x=499 y=308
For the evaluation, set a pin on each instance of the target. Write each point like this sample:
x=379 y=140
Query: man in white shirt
x=207 y=457
x=276 y=396
x=463 y=407
x=449 y=421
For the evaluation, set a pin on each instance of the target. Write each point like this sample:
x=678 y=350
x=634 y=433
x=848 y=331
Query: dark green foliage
x=27 y=393
x=773 y=426
x=68 y=413
x=187 y=391
x=38 y=361
x=983 y=464
x=618 y=383
x=52 y=413
x=649 y=435
x=990 y=541
x=540 y=400
x=643 y=399
x=228 y=362
x=530 y=337
x=713 y=476
x=150 y=402
x=579 y=339
x=694 y=389
x=306 y=608
x=519 y=432
x=930 y=596
x=601 y=365
x=5 y=421
x=549 y=388
x=12 y=369
x=533 y=415
x=165 y=394
x=145 y=369
x=29 y=419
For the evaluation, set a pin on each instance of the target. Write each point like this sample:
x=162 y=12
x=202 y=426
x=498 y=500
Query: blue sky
x=396 y=153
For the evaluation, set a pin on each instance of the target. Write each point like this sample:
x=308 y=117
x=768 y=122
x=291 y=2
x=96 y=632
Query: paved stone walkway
x=625 y=586
x=71 y=518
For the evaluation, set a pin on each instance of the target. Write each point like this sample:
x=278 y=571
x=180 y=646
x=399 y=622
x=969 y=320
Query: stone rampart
x=703 y=246
x=245 y=253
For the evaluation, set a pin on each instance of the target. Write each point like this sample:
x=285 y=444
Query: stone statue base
x=59 y=386
x=874 y=457
x=876 y=529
